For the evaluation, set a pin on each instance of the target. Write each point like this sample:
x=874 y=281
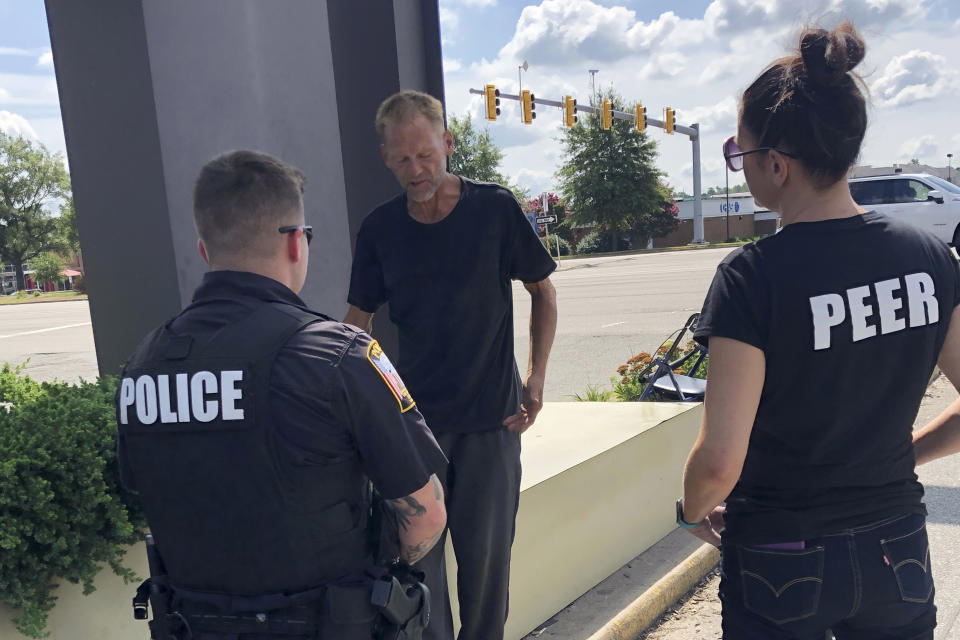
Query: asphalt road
x=56 y=338
x=610 y=309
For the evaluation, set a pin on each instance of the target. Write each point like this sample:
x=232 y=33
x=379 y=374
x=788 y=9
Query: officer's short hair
x=242 y=196
x=407 y=105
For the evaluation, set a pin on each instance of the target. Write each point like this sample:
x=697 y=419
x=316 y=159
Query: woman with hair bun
x=822 y=340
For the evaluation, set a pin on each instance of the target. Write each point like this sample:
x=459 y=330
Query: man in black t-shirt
x=443 y=254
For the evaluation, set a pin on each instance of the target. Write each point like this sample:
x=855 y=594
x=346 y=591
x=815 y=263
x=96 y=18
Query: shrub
x=564 y=246
x=594 y=242
x=63 y=513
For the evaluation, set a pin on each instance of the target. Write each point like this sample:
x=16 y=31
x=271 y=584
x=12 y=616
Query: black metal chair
x=667 y=384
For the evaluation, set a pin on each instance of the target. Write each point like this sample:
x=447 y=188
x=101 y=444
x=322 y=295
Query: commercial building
x=744 y=220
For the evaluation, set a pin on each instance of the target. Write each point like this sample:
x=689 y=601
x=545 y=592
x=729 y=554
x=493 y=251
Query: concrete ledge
x=599 y=484
x=643 y=611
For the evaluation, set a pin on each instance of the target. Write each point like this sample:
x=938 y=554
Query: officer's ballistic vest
x=232 y=507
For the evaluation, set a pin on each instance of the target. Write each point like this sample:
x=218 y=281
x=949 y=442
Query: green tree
x=31 y=179
x=608 y=178
x=68 y=226
x=46 y=268
x=475 y=155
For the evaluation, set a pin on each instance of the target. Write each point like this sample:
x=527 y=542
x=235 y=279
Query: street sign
x=546 y=219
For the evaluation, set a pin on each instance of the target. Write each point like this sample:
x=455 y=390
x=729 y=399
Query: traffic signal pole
x=692 y=132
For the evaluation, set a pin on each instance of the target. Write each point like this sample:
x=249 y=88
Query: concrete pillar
x=152 y=89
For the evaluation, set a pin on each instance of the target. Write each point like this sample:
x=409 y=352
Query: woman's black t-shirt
x=851 y=315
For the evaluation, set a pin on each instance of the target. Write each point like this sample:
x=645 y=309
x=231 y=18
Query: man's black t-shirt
x=851 y=315
x=449 y=289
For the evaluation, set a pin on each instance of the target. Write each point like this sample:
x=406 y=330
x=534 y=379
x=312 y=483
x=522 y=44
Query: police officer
x=252 y=428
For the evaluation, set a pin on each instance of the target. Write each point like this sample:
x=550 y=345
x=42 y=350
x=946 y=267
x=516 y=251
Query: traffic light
x=640 y=117
x=529 y=106
x=569 y=111
x=492 y=95
x=669 y=120
x=607 y=114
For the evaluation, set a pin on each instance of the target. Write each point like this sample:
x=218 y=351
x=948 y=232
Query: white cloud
x=450 y=65
x=15 y=51
x=15 y=125
x=664 y=67
x=912 y=77
x=727 y=17
x=21 y=89
x=924 y=148
x=449 y=20
x=720 y=117
x=559 y=32
x=45 y=59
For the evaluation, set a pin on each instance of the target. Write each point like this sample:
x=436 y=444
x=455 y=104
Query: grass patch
x=43 y=297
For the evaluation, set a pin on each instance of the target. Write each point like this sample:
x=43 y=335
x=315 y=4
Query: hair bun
x=829 y=55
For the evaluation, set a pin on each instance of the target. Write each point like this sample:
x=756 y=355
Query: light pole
x=593 y=85
x=949 y=179
x=521 y=68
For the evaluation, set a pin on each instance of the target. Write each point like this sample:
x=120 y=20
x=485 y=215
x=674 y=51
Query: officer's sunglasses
x=734 y=156
x=307 y=230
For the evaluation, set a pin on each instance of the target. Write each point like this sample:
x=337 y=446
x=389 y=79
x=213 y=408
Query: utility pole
x=949 y=178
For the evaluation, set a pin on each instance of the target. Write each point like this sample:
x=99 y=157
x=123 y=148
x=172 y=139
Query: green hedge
x=63 y=513
x=554 y=241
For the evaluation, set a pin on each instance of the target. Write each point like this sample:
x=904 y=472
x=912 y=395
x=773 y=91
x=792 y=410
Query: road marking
x=612 y=324
x=66 y=326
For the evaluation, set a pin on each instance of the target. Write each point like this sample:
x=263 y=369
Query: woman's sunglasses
x=307 y=230
x=734 y=156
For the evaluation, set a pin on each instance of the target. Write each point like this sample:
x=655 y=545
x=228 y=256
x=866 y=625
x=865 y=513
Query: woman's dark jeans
x=869 y=583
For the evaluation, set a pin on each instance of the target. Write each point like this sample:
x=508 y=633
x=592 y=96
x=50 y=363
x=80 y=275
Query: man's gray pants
x=482 y=490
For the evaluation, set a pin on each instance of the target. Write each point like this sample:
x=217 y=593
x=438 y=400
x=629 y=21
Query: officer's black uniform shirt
x=851 y=315
x=328 y=401
x=448 y=286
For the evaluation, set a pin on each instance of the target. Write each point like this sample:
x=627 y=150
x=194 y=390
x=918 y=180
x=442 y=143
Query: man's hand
x=709 y=530
x=529 y=407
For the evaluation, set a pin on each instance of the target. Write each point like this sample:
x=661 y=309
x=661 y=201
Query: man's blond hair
x=407 y=105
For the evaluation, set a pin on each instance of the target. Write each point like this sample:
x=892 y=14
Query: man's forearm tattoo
x=415 y=553
x=406 y=508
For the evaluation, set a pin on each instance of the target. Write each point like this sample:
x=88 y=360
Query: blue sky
x=693 y=55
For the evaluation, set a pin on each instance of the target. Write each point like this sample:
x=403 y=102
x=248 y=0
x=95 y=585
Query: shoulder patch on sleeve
x=384 y=367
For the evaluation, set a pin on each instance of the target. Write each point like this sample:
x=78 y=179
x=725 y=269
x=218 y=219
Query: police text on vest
x=200 y=397
x=829 y=310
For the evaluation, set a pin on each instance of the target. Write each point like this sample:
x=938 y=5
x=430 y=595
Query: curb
x=644 y=611
x=13 y=304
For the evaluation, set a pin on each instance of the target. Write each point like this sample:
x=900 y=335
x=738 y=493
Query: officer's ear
x=294 y=247
x=203 y=251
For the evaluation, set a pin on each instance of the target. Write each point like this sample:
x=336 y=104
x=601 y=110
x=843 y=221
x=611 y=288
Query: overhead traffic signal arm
x=569 y=109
